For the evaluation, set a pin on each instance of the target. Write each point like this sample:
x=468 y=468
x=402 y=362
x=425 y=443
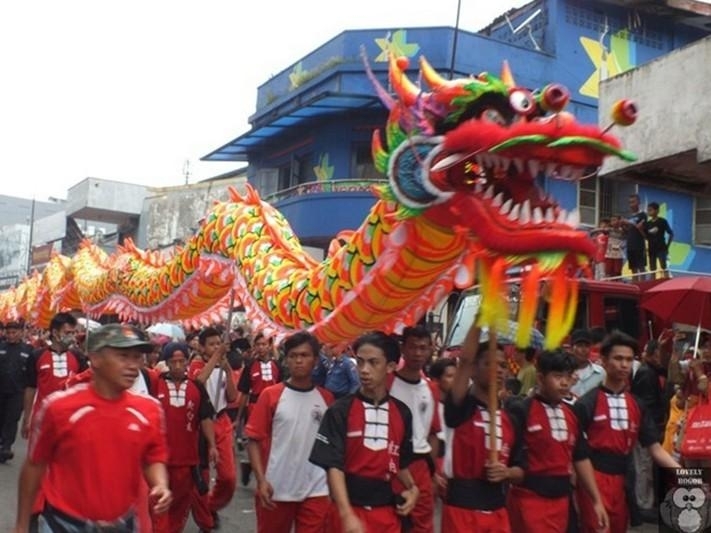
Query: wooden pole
x=493 y=394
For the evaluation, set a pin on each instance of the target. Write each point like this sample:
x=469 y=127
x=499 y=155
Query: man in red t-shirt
x=213 y=371
x=553 y=446
x=49 y=369
x=188 y=411
x=364 y=441
x=475 y=498
x=281 y=431
x=422 y=398
x=615 y=421
x=258 y=373
x=91 y=444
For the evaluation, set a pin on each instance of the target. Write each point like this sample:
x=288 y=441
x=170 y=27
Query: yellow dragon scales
x=461 y=204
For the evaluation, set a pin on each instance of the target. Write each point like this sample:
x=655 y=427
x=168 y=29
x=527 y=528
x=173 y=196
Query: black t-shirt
x=635 y=238
x=656 y=231
x=14 y=360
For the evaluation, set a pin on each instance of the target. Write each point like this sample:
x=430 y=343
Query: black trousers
x=10 y=413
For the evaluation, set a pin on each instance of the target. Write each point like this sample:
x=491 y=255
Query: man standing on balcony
x=634 y=226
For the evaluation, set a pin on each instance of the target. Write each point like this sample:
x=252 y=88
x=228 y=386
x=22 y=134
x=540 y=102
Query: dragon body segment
x=460 y=202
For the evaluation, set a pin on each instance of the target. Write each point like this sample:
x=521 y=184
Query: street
x=238 y=517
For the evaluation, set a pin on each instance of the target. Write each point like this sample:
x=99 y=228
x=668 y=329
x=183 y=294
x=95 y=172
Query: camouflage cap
x=118 y=336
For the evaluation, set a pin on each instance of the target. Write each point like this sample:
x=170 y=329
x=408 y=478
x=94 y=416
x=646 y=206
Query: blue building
x=308 y=148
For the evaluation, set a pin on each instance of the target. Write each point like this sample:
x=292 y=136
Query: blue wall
x=573 y=35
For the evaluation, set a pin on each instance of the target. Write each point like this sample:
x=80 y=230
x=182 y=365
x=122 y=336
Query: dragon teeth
x=525 y=216
x=537 y=215
x=550 y=169
x=506 y=207
x=550 y=215
x=565 y=172
x=447 y=162
x=513 y=215
x=478 y=188
x=498 y=200
x=562 y=217
x=489 y=194
x=480 y=159
x=519 y=165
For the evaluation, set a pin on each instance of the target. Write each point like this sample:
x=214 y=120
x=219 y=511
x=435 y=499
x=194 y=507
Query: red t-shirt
x=95 y=450
x=49 y=372
x=185 y=404
x=257 y=376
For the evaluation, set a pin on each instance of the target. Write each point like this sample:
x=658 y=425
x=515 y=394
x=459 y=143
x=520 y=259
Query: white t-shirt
x=421 y=400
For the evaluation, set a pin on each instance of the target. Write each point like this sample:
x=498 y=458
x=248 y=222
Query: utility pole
x=32 y=226
x=186 y=171
x=454 y=41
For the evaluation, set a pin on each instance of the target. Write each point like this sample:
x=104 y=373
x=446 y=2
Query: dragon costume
x=461 y=203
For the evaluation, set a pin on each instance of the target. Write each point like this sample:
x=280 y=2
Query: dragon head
x=468 y=153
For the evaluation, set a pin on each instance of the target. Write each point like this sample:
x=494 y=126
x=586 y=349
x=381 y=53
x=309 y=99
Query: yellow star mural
x=607 y=63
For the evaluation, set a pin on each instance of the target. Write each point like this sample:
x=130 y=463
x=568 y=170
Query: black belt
x=475 y=494
x=60 y=522
x=548 y=486
x=609 y=463
x=369 y=492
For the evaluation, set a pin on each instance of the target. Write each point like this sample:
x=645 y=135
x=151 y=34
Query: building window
x=298 y=170
x=602 y=198
x=702 y=221
x=267 y=181
x=362 y=167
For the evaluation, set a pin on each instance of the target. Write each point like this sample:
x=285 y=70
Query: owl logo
x=686 y=509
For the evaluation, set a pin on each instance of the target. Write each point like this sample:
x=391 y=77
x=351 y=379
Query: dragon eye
x=492 y=115
x=522 y=102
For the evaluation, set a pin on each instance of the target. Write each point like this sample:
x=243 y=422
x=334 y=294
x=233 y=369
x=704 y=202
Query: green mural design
x=323 y=171
x=397 y=45
x=618 y=59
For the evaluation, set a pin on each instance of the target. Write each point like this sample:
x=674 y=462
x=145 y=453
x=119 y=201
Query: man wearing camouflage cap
x=91 y=443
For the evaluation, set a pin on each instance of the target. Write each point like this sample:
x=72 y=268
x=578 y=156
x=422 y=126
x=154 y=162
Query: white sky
x=129 y=90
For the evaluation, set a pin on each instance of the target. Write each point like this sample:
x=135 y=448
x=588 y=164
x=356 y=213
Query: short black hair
x=381 y=340
x=299 y=338
x=513 y=385
x=555 y=361
x=597 y=334
x=416 y=332
x=529 y=353
x=206 y=333
x=60 y=319
x=440 y=365
x=617 y=338
x=483 y=349
x=653 y=205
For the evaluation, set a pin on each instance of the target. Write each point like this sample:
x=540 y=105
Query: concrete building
x=308 y=148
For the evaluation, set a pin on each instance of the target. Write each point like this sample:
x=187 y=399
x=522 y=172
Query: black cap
x=580 y=335
x=118 y=336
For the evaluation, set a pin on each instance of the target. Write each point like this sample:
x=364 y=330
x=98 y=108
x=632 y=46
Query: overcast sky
x=130 y=90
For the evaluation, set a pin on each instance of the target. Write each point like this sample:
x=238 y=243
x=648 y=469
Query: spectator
x=589 y=375
x=634 y=227
x=615 y=248
x=524 y=358
x=14 y=356
x=600 y=236
x=342 y=377
x=656 y=228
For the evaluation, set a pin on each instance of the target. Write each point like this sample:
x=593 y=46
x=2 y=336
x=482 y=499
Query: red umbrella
x=686 y=300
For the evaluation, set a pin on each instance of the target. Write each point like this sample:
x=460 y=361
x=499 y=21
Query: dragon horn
x=405 y=89
x=430 y=75
x=507 y=76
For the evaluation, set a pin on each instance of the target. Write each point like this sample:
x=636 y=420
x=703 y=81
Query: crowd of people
x=134 y=435
x=642 y=238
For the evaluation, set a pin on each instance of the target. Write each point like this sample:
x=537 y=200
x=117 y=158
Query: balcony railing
x=326 y=186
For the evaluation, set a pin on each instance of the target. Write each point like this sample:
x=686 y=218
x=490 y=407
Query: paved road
x=238 y=517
